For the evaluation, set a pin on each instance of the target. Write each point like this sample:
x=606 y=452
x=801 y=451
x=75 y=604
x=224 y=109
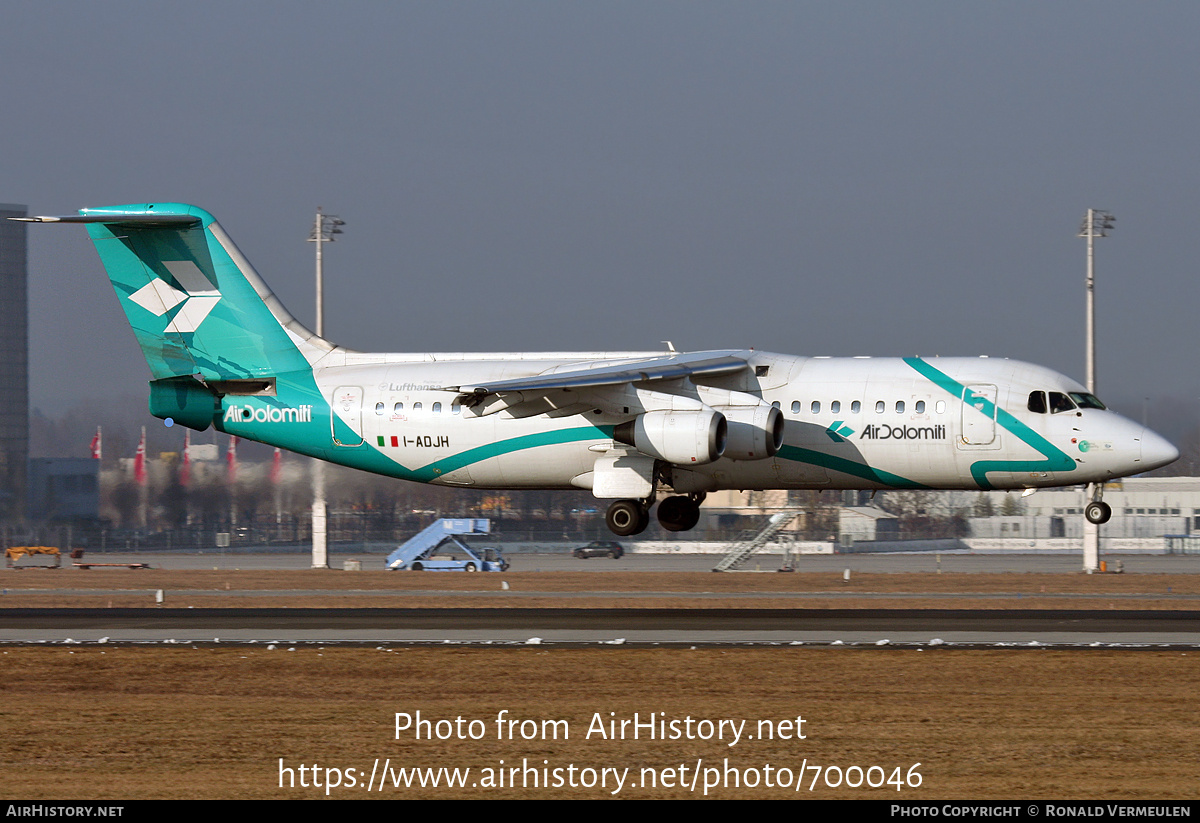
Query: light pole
x=324 y=229
x=1096 y=223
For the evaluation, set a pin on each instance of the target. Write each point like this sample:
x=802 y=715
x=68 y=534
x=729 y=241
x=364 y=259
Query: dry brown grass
x=125 y=723
x=104 y=722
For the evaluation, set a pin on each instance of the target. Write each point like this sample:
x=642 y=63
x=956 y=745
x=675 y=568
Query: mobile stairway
x=738 y=555
x=420 y=553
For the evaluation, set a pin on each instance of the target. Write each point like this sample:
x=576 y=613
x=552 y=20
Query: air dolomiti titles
x=886 y=432
x=265 y=414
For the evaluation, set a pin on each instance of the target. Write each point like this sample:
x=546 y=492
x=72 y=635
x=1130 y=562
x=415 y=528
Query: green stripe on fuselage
x=850 y=467
x=446 y=465
x=299 y=388
x=1056 y=460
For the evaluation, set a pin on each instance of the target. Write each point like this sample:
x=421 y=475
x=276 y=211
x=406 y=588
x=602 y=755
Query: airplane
x=628 y=426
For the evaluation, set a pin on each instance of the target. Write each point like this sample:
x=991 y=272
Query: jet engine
x=683 y=437
x=755 y=432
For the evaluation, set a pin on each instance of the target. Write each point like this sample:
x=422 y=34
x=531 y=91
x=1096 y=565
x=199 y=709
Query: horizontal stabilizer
x=118 y=219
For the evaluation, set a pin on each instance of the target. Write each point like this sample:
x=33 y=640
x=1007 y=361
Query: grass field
x=126 y=723
x=108 y=722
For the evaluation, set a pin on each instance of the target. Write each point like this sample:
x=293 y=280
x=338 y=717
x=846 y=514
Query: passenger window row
x=398 y=408
x=835 y=407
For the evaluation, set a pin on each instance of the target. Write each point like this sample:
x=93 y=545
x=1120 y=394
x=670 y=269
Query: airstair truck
x=439 y=548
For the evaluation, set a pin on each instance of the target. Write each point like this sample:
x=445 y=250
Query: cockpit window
x=1059 y=402
x=1087 y=401
x=1037 y=402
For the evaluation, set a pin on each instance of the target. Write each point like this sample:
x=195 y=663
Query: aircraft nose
x=1156 y=451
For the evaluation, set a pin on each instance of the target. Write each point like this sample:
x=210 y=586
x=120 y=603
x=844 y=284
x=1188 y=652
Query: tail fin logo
x=194 y=302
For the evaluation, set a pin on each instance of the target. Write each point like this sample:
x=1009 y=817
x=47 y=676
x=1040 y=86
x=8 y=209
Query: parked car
x=600 y=548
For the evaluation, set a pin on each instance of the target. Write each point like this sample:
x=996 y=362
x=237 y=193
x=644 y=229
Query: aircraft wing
x=494 y=396
x=669 y=367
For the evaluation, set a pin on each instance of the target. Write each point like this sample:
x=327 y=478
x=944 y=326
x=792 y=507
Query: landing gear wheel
x=627 y=517
x=418 y=567
x=1098 y=512
x=470 y=567
x=678 y=514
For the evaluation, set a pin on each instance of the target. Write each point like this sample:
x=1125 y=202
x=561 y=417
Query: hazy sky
x=885 y=178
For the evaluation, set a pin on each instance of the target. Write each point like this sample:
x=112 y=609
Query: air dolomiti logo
x=198 y=298
x=837 y=432
x=268 y=414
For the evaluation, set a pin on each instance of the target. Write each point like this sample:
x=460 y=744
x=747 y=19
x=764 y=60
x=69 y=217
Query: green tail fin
x=195 y=304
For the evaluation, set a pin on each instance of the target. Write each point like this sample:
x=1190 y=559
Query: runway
x=830 y=627
x=499 y=616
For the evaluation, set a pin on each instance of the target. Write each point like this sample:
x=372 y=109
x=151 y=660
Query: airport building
x=1141 y=507
x=64 y=488
x=14 y=364
x=1147 y=512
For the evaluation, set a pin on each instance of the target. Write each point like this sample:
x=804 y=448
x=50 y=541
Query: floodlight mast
x=1096 y=223
x=325 y=227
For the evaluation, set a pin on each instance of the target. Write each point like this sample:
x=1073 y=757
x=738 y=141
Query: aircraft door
x=347 y=410
x=979 y=414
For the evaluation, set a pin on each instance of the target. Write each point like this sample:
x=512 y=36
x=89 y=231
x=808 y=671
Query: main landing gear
x=679 y=513
x=626 y=517
x=676 y=514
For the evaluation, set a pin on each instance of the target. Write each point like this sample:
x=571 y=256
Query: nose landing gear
x=1097 y=512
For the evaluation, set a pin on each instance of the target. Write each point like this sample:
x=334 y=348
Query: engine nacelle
x=185 y=401
x=683 y=437
x=755 y=432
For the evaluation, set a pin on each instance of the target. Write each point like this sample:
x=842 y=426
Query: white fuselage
x=849 y=423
